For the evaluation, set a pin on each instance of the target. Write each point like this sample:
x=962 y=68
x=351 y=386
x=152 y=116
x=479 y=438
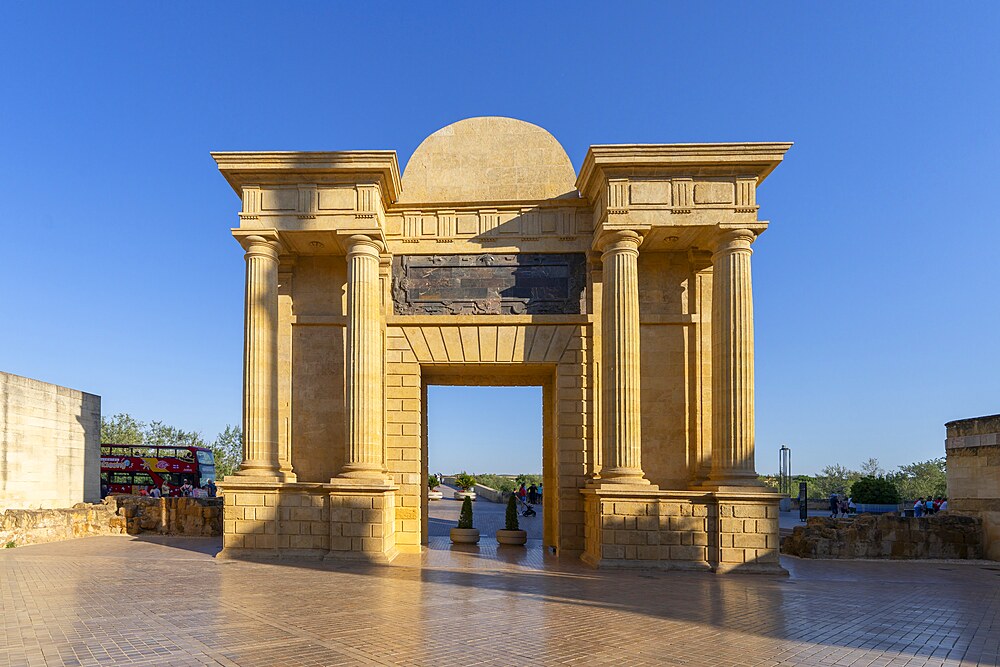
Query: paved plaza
x=169 y=601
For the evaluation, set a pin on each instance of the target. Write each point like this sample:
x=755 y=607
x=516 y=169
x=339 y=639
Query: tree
x=228 y=451
x=833 y=479
x=874 y=490
x=924 y=479
x=871 y=468
x=122 y=429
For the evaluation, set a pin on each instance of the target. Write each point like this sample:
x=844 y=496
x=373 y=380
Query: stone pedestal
x=265 y=519
x=682 y=530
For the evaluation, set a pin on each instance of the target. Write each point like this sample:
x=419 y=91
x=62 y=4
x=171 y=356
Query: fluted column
x=732 y=361
x=260 y=360
x=364 y=361
x=620 y=409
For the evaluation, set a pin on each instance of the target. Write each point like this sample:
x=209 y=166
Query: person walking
x=834 y=505
x=918 y=507
x=533 y=494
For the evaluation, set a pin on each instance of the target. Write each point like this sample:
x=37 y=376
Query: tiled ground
x=486 y=516
x=127 y=601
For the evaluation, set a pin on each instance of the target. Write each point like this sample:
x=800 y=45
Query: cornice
x=757 y=158
x=256 y=167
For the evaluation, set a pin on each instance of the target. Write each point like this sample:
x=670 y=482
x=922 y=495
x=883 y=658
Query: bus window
x=207 y=474
x=143 y=479
x=121 y=478
x=121 y=451
x=206 y=458
x=163 y=453
x=185 y=455
x=104 y=478
x=105 y=451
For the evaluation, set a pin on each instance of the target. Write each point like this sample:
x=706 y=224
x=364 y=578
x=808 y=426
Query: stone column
x=732 y=361
x=620 y=409
x=260 y=360
x=365 y=458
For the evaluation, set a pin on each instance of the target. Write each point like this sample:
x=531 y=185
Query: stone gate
x=624 y=292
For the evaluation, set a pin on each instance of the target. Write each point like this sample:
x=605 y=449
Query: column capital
x=360 y=244
x=619 y=240
x=734 y=240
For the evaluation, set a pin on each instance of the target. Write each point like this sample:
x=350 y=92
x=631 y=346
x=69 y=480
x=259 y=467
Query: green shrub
x=465 y=481
x=10 y=545
x=510 y=521
x=432 y=481
x=875 y=491
x=465 y=517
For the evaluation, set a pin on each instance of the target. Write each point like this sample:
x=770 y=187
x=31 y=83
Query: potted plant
x=465 y=482
x=465 y=533
x=432 y=492
x=511 y=533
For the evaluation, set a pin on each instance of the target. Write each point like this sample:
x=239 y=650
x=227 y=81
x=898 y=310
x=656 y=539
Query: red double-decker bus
x=134 y=468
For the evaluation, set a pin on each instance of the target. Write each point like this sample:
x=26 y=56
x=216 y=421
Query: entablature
x=676 y=185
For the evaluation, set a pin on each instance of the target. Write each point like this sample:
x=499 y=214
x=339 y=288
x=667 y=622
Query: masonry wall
x=973 y=459
x=50 y=449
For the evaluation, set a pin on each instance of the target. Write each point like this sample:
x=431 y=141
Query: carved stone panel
x=489 y=284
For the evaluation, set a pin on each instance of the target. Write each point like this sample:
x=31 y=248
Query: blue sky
x=876 y=286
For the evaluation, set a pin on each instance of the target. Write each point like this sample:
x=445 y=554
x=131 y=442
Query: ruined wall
x=50 y=448
x=973 y=457
x=943 y=535
x=117 y=515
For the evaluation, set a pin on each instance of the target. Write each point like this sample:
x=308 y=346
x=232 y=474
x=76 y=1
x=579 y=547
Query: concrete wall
x=50 y=445
x=973 y=456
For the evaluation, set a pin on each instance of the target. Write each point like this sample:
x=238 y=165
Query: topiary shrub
x=432 y=482
x=465 y=516
x=875 y=491
x=510 y=521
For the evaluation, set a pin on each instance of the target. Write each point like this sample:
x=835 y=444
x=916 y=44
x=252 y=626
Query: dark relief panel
x=489 y=284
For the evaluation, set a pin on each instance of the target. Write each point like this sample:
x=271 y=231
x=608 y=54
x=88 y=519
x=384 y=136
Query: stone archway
x=624 y=291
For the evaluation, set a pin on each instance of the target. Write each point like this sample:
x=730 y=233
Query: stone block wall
x=943 y=535
x=50 y=445
x=972 y=449
x=681 y=530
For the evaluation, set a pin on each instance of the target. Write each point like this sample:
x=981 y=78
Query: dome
x=488 y=159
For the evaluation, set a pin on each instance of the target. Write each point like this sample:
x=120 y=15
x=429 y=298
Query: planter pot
x=435 y=495
x=462 y=495
x=465 y=535
x=515 y=537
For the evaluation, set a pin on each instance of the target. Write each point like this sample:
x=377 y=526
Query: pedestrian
x=522 y=492
x=533 y=494
x=937 y=504
x=944 y=505
x=929 y=506
x=155 y=493
x=918 y=507
x=843 y=507
x=834 y=505
x=851 y=506
x=211 y=488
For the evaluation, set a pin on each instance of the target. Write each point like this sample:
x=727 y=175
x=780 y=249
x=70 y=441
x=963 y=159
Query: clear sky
x=876 y=286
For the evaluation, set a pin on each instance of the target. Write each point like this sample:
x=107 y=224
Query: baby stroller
x=526 y=509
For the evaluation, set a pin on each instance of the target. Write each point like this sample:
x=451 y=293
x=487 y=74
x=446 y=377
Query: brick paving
x=131 y=601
